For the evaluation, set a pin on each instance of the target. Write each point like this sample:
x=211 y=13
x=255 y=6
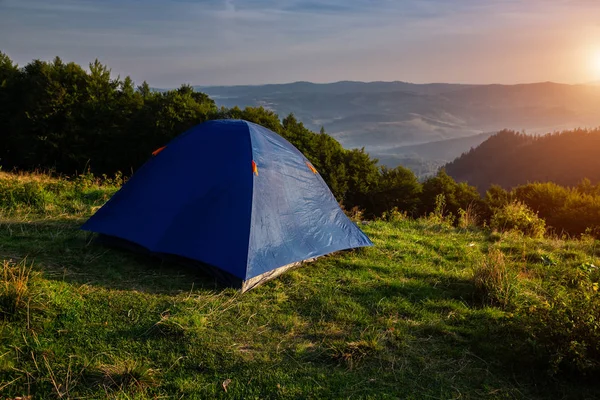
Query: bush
x=565 y=209
x=394 y=215
x=516 y=216
x=468 y=218
x=440 y=215
x=567 y=328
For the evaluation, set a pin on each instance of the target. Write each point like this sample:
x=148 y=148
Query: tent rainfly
x=232 y=196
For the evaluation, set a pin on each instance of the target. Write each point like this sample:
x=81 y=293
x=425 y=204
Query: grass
x=14 y=288
x=495 y=281
x=415 y=316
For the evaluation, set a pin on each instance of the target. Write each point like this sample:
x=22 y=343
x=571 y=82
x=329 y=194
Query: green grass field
x=429 y=312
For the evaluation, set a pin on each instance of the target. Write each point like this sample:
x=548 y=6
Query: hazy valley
x=421 y=126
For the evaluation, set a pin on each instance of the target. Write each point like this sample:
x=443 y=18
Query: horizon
x=394 y=81
x=234 y=43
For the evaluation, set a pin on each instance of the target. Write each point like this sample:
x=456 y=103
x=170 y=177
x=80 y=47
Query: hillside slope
x=405 y=318
x=509 y=159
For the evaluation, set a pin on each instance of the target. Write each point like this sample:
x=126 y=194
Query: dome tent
x=233 y=196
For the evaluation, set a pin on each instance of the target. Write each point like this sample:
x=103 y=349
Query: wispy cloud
x=254 y=41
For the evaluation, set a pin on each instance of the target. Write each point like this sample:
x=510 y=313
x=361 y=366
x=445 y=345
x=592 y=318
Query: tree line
x=57 y=116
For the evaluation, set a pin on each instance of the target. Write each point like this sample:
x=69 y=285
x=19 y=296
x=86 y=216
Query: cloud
x=254 y=41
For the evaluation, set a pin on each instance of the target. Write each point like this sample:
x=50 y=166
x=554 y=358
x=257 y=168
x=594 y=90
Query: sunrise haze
x=230 y=42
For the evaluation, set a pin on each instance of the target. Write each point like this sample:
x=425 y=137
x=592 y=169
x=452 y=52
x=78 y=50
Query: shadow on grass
x=441 y=317
x=65 y=253
x=441 y=324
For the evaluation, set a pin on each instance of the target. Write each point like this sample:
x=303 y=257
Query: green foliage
x=556 y=304
x=439 y=215
x=566 y=326
x=39 y=194
x=468 y=218
x=120 y=325
x=566 y=210
x=457 y=195
x=496 y=198
x=516 y=216
x=397 y=188
x=510 y=158
x=394 y=215
x=58 y=116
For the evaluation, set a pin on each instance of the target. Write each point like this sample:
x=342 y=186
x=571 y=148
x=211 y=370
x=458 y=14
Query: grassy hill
x=431 y=311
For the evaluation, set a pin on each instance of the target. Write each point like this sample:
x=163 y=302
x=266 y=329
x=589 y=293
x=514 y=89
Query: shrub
x=394 y=215
x=567 y=329
x=565 y=209
x=516 y=216
x=468 y=218
x=440 y=215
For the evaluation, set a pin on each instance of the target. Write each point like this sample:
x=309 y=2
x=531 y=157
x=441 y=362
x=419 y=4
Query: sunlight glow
x=596 y=64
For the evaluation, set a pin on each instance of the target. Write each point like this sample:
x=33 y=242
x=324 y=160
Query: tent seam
x=249 y=128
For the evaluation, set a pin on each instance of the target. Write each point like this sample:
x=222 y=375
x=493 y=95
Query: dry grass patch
x=495 y=281
x=14 y=287
x=124 y=375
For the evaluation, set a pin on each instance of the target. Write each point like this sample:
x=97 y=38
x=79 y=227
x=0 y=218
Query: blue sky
x=210 y=42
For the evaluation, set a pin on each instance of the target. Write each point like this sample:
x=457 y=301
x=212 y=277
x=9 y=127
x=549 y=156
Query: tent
x=232 y=196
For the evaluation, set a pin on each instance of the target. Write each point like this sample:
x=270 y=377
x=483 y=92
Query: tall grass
x=35 y=194
x=14 y=288
x=496 y=281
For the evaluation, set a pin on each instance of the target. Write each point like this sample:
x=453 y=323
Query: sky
x=230 y=42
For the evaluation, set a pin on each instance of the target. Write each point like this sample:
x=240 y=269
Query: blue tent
x=232 y=195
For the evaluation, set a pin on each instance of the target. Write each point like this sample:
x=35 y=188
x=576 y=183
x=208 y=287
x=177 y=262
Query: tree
x=8 y=77
x=457 y=196
x=59 y=116
x=396 y=188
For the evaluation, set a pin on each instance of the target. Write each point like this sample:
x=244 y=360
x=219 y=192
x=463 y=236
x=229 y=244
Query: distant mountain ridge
x=339 y=87
x=380 y=116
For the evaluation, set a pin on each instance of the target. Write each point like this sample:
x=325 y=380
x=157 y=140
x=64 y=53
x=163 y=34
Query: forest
x=511 y=158
x=59 y=118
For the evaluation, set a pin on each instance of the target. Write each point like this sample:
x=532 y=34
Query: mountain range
x=421 y=126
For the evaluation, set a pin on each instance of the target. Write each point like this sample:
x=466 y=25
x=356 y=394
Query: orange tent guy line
x=155 y=152
x=311 y=167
